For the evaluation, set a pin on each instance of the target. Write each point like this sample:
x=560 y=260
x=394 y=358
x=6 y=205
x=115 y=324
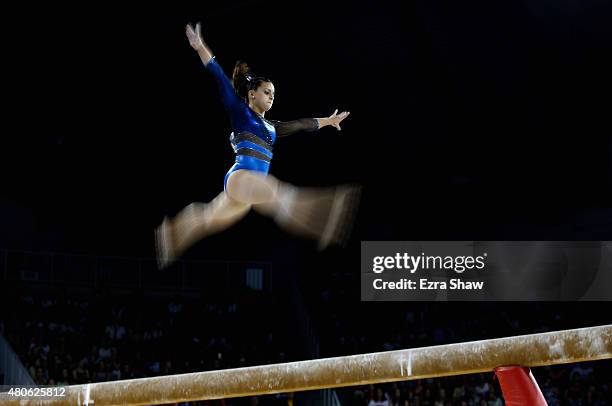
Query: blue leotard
x=253 y=136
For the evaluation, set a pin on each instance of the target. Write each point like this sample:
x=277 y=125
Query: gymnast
x=322 y=214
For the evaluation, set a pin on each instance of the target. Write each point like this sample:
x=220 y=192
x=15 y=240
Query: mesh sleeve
x=284 y=128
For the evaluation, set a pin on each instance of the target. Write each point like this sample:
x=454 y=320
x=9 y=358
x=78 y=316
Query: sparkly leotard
x=253 y=136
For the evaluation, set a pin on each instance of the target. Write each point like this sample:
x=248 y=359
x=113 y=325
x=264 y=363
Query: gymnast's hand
x=195 y=36
x=195 y=40
x=335 y=119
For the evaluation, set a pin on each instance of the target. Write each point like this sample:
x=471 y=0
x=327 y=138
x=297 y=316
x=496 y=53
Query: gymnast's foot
x=340 y=220
x=164 y=239
x=175 y=235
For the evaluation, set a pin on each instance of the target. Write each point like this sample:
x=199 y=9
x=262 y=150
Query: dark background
x=485 y=120
x=470 y=121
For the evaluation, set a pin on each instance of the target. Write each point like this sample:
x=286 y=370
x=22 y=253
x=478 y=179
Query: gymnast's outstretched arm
x=230 y=99
x=309 y=124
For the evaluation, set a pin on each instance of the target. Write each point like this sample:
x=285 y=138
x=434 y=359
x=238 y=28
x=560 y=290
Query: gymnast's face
x=262 y=98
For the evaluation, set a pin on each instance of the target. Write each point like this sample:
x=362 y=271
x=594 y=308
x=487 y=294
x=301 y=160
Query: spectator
x=380 y=399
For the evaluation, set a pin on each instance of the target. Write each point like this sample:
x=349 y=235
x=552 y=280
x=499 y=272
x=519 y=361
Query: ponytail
x=243 y=80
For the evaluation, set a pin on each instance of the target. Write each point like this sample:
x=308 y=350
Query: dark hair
x=243 y=80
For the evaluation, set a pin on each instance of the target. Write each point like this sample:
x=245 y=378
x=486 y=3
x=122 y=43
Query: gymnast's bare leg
x=196 y=221
x=323 y=214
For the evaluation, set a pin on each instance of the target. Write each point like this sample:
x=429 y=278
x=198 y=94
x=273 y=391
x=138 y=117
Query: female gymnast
x=319 y=213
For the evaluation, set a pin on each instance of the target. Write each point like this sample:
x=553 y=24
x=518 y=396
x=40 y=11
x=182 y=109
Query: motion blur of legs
x=196 y=221
x=322 y=214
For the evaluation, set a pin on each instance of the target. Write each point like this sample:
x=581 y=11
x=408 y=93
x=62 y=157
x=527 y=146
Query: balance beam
x=552 y=348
